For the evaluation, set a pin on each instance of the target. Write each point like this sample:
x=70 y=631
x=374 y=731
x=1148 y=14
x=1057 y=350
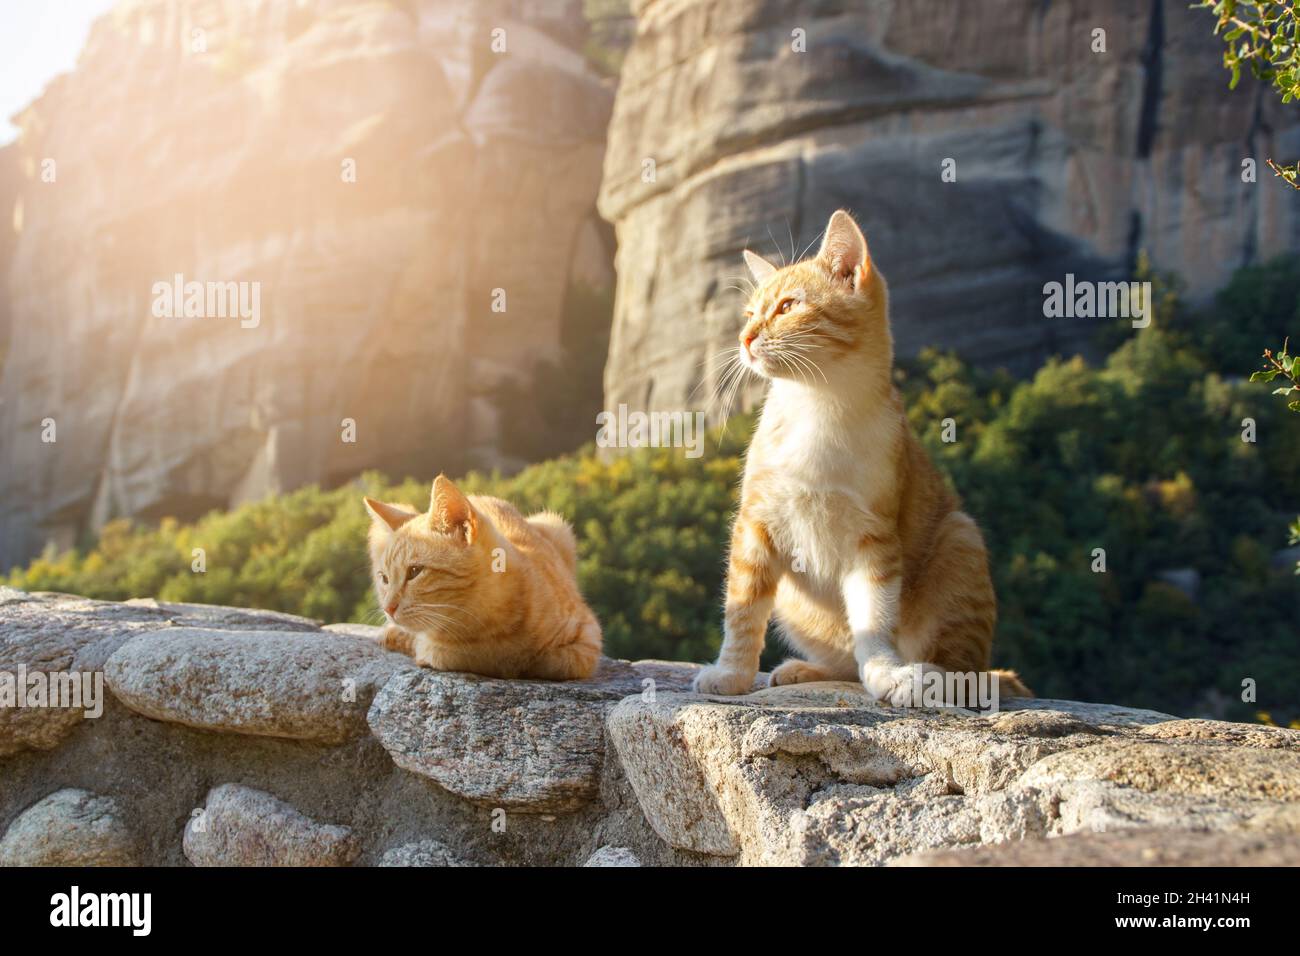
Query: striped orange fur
x=847 y=534
x=471 y=585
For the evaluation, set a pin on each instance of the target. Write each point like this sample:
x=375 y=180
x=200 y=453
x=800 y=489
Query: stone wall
x=375 y=168
x=724 y=135
x=233 y=736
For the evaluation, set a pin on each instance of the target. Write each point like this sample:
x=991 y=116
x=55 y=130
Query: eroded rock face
x=818 y=775
x=374 y=170
x=1065 y=160
x=241 y=826
x=69 y=828
x=421 y=768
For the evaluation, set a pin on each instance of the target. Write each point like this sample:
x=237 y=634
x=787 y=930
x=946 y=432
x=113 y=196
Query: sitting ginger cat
x=846 y=531
x=473 y=586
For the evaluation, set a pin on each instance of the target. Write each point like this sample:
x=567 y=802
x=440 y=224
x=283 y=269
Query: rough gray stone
x=422 y=853
x=226 y=618
x=818 y=774
x=240 y=826
x=50 y=633
x=69 y=828
x=307 y=686
x=526 y=745
x=1203 y=770
x=1225 y=732
x=367 y=632
x=1167 y=847
x=629 y=762
x=613 y=856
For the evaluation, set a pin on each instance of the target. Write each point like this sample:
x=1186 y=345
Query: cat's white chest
x=806 y=531
x=820 y=489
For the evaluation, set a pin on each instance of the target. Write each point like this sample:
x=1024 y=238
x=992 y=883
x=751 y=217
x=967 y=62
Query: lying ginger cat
x=846 y=531
x=471 y=585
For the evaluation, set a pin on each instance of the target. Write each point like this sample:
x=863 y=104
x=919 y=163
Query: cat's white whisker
x=735 y=370
x=722 y=359
x=778 y=246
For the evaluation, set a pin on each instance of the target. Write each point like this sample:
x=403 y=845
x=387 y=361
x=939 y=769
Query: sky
x=39 y=39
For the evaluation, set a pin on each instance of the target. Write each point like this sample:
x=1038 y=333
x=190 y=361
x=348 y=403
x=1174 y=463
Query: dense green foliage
x=650 y=524
x=1285 y=367
x=1143 y=457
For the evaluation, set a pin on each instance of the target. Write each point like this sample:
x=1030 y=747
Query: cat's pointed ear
x=759 y=267
x=844 y=250
x=450 y=511
x=391 y=515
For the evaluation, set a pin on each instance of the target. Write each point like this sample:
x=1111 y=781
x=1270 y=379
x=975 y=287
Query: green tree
x=1286 y=367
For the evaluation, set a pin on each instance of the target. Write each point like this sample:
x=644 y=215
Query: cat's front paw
x=892 y=683
x=720 y=680
x=393 y=638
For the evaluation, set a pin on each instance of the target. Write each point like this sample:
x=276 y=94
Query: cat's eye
x=414 y=571
x=383 y=577
x=785 y=306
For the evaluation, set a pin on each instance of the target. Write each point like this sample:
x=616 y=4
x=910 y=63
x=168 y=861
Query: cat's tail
x=1010 y=684
x=556 y=530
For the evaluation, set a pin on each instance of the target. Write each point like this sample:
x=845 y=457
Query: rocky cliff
x=747 y=122
x=231 y=736
x=374 y=171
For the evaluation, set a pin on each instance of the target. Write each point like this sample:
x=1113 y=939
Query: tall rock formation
x=747 y=122
x=373 y=171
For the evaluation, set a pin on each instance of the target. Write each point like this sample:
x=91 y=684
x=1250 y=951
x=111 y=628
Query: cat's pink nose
x=391 y=608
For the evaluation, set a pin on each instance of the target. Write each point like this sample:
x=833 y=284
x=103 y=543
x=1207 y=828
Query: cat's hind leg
x=796 y=671
x=947 y=624
x=574 y=658
x=815 y=635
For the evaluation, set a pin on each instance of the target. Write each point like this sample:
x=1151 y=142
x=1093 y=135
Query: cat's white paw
x=720 y=680
x=891 y=682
